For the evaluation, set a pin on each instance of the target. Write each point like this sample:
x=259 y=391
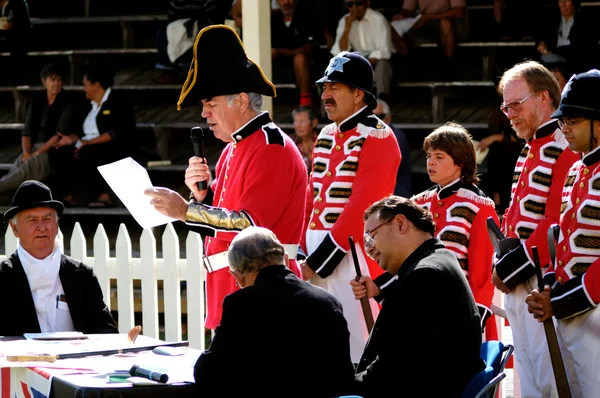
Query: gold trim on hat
x=193 y=72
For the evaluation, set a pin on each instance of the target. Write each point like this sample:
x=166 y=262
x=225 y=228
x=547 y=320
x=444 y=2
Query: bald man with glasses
x=531 y=95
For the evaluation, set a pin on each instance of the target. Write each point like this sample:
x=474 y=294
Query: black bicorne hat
x=352 y=69
x=580 y=96
x=220 y=66
x=32 y=194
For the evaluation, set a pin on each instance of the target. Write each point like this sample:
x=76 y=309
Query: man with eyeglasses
x=429 y=293
x=572 y=292
x=368 y=32
x=531 y=95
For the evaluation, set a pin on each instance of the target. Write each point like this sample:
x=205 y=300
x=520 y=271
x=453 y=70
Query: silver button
x=238 y=137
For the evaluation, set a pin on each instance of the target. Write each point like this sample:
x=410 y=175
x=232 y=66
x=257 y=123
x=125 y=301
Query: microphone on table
x=148 y=374
x=197 y=137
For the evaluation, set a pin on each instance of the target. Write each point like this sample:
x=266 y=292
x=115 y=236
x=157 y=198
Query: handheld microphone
x=148 y=374
x=197 y=137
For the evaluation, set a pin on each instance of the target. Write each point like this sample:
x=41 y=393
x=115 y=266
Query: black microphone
x=148 y=374
x=197 y=137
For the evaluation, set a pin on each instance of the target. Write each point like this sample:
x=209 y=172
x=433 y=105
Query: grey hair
x=15 y=219
x=384 y=106
x=256 y=101
x=253 y=249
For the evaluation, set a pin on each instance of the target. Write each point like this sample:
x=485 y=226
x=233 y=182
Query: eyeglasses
x=369 y=238
x=562 y=122
x=350 y=4
x=516 y=106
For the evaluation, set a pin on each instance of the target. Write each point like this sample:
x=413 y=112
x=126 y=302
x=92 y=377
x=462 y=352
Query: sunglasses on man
x=351 y=4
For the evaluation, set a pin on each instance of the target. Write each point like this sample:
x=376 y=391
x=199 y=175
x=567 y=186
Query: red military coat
x=354 y=165
x=260 y=179
x=578 y=249
x=460 y=212
x=535 y=201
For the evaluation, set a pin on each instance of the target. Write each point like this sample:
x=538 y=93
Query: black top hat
x=580 y=96
x=352 y=69
x=220 y=67
x=32 y=194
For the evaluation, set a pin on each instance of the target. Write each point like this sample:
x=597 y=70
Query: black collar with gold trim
x=353 y=120
x=246 y=130
x=451 y=189
x=546 y=130
x=592 y=158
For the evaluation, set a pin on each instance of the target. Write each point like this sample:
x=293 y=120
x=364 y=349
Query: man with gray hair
x=262 y=325
x=260 y=176
x=41 y=289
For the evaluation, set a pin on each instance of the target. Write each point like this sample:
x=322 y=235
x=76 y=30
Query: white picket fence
x=171 y=269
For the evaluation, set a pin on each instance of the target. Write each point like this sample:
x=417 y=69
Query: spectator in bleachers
x=291 y=44
x=569 y=34
x=16 y=34
x=305 y=129
x=443 y=21
x=367 y=31
x=560 y=68
x=109 y=134
x=404 y=177
x=175 y=40
x=51 y=112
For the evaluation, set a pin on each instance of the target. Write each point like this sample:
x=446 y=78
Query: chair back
x=485 y=383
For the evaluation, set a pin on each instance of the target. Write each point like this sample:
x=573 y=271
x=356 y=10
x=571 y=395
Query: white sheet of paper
x=128 y=179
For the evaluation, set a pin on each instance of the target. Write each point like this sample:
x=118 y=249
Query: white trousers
x=580 y=339
x=532 y=357
x=338 y=284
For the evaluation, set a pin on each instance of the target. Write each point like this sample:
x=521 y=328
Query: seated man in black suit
x=42 y=289
x=279 y=336
x=427 y=336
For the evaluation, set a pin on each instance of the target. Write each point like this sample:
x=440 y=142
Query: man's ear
x=243 y=102
x=14 y=229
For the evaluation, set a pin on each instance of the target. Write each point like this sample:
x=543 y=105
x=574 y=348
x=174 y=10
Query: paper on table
x=128 y=180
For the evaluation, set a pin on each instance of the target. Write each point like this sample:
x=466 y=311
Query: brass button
x=572 y=215
x=226 y=177
x=337 y=147
x=317 y=211
x=329 y=174
x=518 y=199
x=577 y=201
x=510 y=228
x=522 y=184
x=436 y=215
x=440 y=203
x=526 y=170
x=319 y=199
x=560 y=263
x=531 y=156
x=234 y=146
x=312 y=225
x=581 y=185
x=586 y=171
x=564 y=248
x=228 y=167
x=341 y=135
x=223 y=189
x=569 y=231
x=560 y=279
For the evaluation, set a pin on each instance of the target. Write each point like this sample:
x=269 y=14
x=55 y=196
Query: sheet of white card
x=128 y=179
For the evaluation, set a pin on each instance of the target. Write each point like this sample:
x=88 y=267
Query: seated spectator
x=291 y=44
x=569 y=34
x=44 y=290
x=368 y=32
x=404 y=177
x=174 y=41
x=16 y=34
x=443 y=21
x=560 y=68
x=400 y=236
x=51 y=112
x=109 y=134
x=305 y=129
x=287 y=325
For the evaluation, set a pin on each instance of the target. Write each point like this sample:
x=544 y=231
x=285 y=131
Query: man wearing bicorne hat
x=260 y=177
x=41 y=289
x=355 y=161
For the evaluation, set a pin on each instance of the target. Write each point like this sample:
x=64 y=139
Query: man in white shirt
x=41 y=289
x=368 y=32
